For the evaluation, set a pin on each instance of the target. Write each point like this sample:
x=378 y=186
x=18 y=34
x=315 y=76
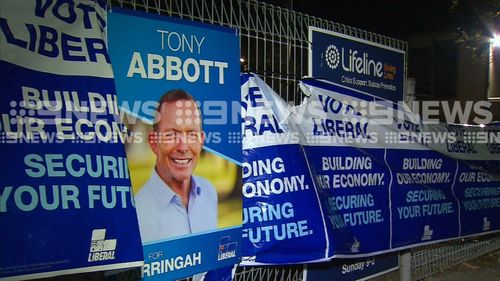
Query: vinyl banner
x=356 y=63
x=66 y=204
x=184 y=166
x=368 y=167
x=282 y=220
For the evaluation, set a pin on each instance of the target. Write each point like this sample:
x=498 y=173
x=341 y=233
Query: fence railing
x=429 y=260
x=274 y=40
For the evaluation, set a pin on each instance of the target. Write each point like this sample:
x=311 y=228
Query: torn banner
x=331 y=179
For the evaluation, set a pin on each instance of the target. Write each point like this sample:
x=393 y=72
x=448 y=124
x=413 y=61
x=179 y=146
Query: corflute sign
x=356 y=63
x=160 y=58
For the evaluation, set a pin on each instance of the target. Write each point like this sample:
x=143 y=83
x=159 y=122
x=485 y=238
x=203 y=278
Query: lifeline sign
x=356 y=63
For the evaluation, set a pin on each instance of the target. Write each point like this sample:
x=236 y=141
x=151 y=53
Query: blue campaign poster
x=66 y=202
x=479 y=195
x=424 y=208
x=354 y=184
x=282 y=218
x=158 y=56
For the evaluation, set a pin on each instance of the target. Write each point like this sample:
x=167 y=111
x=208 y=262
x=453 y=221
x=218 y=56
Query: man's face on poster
x=177 y=141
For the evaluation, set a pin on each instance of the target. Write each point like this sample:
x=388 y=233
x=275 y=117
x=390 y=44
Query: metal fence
x=274 y=44
x=429 y=260
x=271 y=273
x=274 y=40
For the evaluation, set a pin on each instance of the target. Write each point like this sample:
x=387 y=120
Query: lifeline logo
x=332 y=56
x=357 y=62
x=100 y=248
x=226 y=249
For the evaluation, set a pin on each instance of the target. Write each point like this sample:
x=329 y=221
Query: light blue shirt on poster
x=161 y=214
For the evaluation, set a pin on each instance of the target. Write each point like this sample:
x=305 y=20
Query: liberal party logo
x=100 y=248
x=427 y=235
x=332 y=56
x=355 y=245
x=226 y=249
x=486 y=224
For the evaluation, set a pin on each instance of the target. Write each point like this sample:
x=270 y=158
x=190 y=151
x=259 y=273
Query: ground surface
x=485 y=268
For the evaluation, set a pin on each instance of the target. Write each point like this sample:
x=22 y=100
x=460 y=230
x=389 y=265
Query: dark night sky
x=394 y=18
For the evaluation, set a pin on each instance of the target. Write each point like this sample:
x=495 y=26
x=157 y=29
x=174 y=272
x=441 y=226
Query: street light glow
x=496 y=40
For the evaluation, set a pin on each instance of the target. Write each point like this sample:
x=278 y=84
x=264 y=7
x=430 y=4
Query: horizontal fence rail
x=274 y=40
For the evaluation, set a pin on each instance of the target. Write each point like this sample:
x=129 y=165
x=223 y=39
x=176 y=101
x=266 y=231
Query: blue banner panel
x=282 y=220
x=280 y=210
x=66 y=204
x=352 y=269
x=423 y=205
x=479 y=195
x=357 y=64
x=354 y=188
x=157 y=54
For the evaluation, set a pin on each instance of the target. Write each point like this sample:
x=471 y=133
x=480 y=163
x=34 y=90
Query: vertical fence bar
x=280 y=70
x=272 y=47
x=266 y=78
x=256 y=37
x=249 y=19
x=405 y=266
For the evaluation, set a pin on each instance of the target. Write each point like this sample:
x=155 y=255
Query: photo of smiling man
x=174 y=202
